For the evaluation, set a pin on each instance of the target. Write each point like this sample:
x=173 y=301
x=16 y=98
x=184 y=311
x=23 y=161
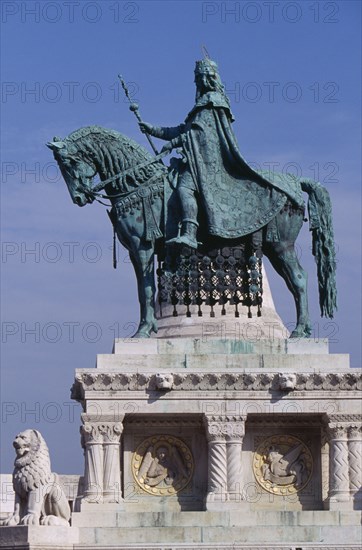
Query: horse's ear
x=54 y=145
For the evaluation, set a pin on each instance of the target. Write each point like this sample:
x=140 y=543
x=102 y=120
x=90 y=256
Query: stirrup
x=183 y=240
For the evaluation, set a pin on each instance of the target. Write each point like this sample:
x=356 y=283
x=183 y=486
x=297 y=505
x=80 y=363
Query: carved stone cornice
x=348 y=419
x=209 y=381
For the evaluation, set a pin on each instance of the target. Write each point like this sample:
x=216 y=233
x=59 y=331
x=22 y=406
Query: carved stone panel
x=162 y=465
x=273 y=482
x=164 y=462
x=282 y=464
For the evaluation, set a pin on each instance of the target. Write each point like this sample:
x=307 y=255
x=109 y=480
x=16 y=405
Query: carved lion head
x=287 y=381
x=164 y=381
x=32 y=463
x=28 y=441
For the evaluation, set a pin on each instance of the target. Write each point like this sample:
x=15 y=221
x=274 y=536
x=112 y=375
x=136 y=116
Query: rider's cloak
x=236 y=199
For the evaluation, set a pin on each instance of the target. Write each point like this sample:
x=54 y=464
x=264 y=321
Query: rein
x=100 y=186
x=123 y=195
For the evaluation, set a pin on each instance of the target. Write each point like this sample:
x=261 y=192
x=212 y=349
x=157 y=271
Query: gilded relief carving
x=282 y=464
x=162 y=465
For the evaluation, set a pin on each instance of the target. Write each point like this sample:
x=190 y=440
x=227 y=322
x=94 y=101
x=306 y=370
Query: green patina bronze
x=210 y=195
x=235 y=198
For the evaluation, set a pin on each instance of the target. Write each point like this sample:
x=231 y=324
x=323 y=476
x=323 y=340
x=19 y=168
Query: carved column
x=338 y=465
x=102 y=474
x=111 y=461
x=217 y=460
x=234 y=440
x=92 y=441
x=355 y=463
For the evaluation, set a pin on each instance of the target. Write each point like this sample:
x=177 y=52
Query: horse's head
x=77 y=172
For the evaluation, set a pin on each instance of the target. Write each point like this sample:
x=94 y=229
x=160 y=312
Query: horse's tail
x=320 y=223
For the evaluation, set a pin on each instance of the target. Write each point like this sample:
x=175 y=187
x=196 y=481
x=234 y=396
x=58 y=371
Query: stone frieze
x=209 y=381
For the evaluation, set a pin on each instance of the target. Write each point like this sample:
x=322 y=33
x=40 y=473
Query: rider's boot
x=188 y=234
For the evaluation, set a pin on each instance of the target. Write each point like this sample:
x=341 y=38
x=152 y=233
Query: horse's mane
x=112 y=151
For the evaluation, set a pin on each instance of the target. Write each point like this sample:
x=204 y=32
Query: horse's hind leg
x=284 y=259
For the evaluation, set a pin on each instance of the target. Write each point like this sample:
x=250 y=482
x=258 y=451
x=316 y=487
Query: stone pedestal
x=215 y=442
x=253 y=416
x=38 y=537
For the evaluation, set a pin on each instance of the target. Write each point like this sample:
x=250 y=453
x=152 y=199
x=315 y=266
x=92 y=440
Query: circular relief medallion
x=282 y=464
x=162 y=465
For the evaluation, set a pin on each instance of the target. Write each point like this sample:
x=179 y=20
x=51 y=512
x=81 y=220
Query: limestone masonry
x=214 y=443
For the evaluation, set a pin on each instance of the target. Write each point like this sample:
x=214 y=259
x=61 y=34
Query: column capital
x=355 y=431
x=100 y=432
x=338 y=431
x=224 y=428
x=339 y=425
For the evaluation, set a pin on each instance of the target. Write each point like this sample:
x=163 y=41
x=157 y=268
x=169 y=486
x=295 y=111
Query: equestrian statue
x=208 y=217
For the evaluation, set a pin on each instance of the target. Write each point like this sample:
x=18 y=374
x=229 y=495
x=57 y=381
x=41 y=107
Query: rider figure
x=236 y=200
x=200 y=123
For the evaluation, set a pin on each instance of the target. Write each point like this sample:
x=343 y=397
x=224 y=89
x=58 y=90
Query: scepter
x=135 y=109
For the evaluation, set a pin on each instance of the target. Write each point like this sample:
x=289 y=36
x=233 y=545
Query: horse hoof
x=296 y=334
x=141 y=334
x=145 y=330
x=300 y=333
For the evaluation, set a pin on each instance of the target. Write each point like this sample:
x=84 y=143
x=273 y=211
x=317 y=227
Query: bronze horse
x=138 y=187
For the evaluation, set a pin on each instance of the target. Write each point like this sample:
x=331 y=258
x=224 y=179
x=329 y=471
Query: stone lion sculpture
x=39 y=496
x=287 y=381
x=164 y=381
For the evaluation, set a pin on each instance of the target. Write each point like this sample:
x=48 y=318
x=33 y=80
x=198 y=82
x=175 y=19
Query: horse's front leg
x=143 y=262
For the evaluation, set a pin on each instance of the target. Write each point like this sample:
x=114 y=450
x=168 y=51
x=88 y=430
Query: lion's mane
x=33 y=469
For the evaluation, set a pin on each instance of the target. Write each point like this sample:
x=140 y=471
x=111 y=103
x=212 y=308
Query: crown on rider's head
x=206 y=66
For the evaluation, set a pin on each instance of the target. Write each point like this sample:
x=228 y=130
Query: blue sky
x=292 y=71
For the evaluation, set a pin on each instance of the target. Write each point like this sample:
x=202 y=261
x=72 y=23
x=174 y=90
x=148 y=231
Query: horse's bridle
x=94 y=192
